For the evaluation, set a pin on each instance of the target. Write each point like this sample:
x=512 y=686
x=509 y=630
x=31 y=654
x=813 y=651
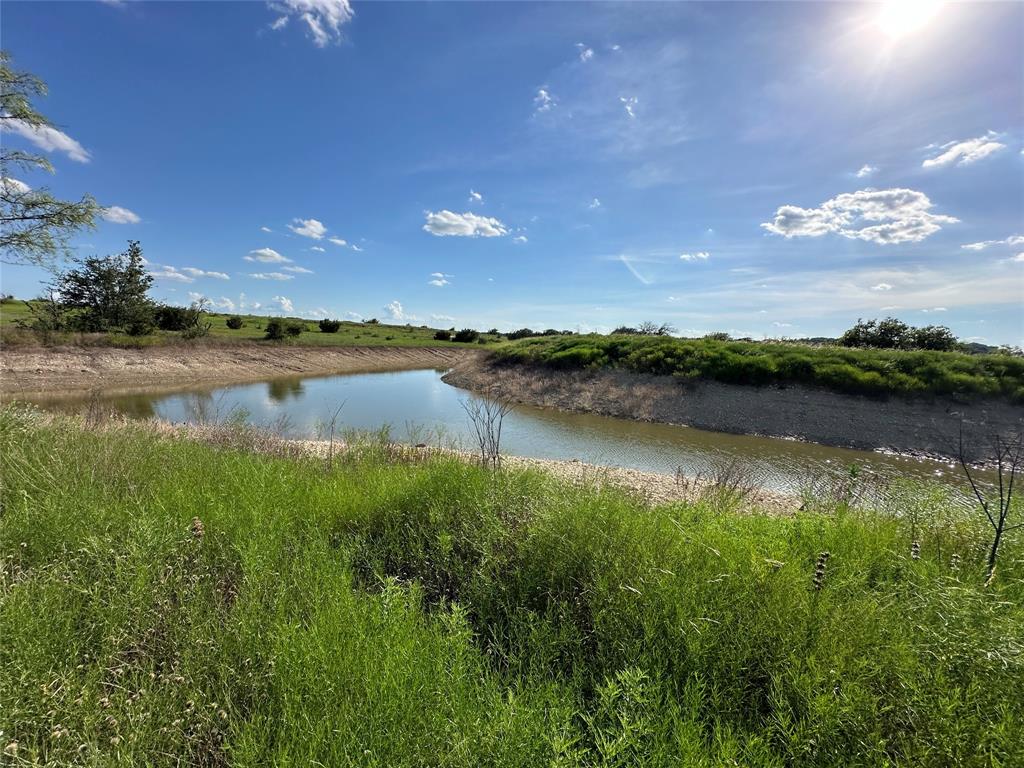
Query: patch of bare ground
x=74 y=370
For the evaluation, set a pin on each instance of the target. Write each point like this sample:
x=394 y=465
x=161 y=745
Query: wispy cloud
x=47 y=138
x=628 y=262
x=298 y=270
x=266 y=256
x=475 y=197
x=324 y=19
x=271 y=276
x=585 y=53
x=118 y=215
x=965 y=152
x=196 y=272
x=544 y=101
x=1011 y=240
x=698 y=256
x=865 y=171
x=438 y=279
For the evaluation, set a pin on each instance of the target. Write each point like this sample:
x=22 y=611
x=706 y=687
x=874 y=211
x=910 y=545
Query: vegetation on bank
x=230 y=328
x=164 y=602
x=857 y=371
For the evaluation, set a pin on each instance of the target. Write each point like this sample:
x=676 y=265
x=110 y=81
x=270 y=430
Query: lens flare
x=899 y=18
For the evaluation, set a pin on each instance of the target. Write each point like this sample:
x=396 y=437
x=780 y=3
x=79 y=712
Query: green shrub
x=442 y=335
x=466 y=335
x=275 y=329
x=330 y=326
x=234 y=322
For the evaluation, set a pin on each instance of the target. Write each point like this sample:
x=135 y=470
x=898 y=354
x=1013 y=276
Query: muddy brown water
x=416 y=406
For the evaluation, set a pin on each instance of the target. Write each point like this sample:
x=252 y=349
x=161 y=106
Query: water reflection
x=417 y=406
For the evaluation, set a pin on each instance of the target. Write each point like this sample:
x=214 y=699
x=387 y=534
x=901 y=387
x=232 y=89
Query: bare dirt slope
x=73 y=370
x=914 y=426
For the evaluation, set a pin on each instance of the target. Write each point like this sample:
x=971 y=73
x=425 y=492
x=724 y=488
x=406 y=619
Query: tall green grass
x=856 y=371
x=164 y=602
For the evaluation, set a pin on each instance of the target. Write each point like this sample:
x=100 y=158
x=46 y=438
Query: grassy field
x=350 y=334
x=858 y=371
x=169 y=603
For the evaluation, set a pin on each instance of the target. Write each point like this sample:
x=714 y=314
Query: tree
x=111 y=291
x=34 y=225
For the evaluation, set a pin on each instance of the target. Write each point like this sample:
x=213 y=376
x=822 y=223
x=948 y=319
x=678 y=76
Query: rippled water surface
x=419 y=407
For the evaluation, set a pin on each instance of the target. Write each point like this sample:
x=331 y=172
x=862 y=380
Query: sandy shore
x=73 y=371
x=925 y=426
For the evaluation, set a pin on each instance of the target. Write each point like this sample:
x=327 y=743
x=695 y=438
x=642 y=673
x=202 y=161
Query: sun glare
x=899 y=18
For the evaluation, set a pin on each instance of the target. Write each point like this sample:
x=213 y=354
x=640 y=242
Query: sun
x=899 y=18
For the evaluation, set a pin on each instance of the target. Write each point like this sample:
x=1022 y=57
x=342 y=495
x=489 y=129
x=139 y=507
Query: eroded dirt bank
x=74 y=370
x=915 y=426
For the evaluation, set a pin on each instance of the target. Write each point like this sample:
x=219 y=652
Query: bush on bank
x=856 y=371
x=164 y=602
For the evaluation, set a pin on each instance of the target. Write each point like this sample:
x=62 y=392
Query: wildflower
x=819 y=570
x=915 y=550
x=954 y=564
x=11 y=749
x=197 y=529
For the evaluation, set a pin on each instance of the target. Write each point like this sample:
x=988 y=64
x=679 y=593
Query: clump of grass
x=168 y=602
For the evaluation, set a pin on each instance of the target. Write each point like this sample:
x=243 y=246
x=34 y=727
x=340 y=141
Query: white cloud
x=443 y=318
x=698 y=256
x=283 y=303
x=446 y=223
x=318 y=249
x=865 y=170
x=11 y=186
x=586 y=54
x=267 y=256
x=438 y=282
x=965 y=152
x=356 y=248
x=118 y=215
x=1011 y=240
x=266 y=229
x=595 y=203
x=519 y=239
x=47 y=138
x=298 y=270
x=271 y=276
x=629 y=104
x=323 y=18
x=196 y=272
x=1018 y=258
x=934 y=309
x=883 y=216
x=308 y=228
x=777 y=324
x=881 y=287
x=171 y=273
x=394 y=311
x=544 y=101
x=337 y=241
x=475 y=197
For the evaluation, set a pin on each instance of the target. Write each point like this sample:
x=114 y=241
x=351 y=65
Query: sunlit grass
x=164 y=602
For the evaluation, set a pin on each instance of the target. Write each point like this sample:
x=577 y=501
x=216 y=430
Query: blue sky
x=768 y=169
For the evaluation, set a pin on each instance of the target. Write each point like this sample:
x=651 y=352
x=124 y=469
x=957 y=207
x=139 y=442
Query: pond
x=418 y=407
